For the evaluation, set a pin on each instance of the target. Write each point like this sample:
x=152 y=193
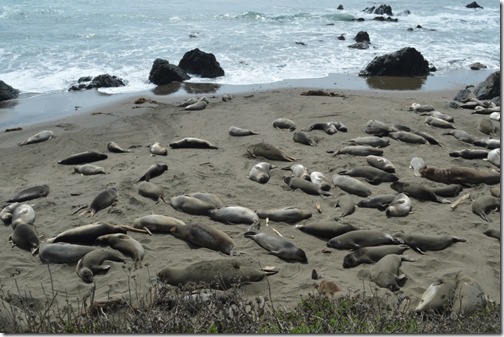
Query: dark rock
x=383 y=19
x=496 y=100
x=453 y=105
x=340 y=7
x=201 y=63
x=100 y=81
x=7 y=92
x=362 y=36
x=404 y=62
x=162 y=72
x=341 y=37
x=418 y=26
x=301 y=43
x=464 y=94
x=490 y=87
x=474 y=4
x=477 y=66
x=409 y=29
x=432 y=68
x=382 y=9
x=360 y=45
x=359 y=19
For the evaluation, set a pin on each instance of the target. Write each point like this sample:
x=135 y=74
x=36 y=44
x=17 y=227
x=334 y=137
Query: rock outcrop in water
x=200 y=63
x=7 y=92
x=404 y=62
x=162 y=72
x=100 y=81
x=489 y=89
x=473 y=4
x=380 y=10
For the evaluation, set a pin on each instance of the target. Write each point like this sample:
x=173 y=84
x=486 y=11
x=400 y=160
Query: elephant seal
x=239 y=132
x=286 y=214
x=303 y=138
x=305 y=186
x=400 y=206
x=340 y=126
x=369 y=255
x=351 y=185
x=486 y=126
x=346 y=204
x=496 y=191
x=157 y=149
x=428 y=137
x=211 y=198
x=484 y=205
x=468 y=296
x=448 y=191
x=86 y=234
x=191 y=205
x=199 y=105
x=470 y=153
x=417 y=191
x=62 y=252
x=373 y=141
x=407 y=137
x=380 y=202
x=218 y=274
x=92 y=263
x=489 y=143
x=83 y=158
x=439 y=294
x=151 y=191
x=30 y=193
x=234 y=215
x=494 y=157
x=329 y=128
x=493 y=233
x=439 y=115
x=439 y=123
x=260 y=172
x=23 y=213
x=461 y=135
x=381 y=163
x=7 y=211
x=42 y=136
x=372 y=175
x=359 y=150
x=103 y=200
x=284 y=123
x=461 y=175
x=361 y=238
x=193 y=143
x=417 y=107
x=495 y=116
x=278 y=246
x=115 y=148
x=326 y=230
x=25 y=237
x=299 y=171
x=157 y=223
x=417 y=164
x=193 y=100
x=377 y=128
x=268 y=151
x=125 y=244
x=385 y=272
x=89 y=169
x=422 y=243
x=203 y=235
x=320 y=180
x=153 y=171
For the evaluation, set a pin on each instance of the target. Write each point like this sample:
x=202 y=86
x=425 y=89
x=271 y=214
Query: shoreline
x=35 y=109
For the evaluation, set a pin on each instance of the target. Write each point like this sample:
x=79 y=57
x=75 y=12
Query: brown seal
x=461 y=175
x=370 y=255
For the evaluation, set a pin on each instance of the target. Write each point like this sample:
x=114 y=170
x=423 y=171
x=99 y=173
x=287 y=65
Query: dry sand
x=224 y=172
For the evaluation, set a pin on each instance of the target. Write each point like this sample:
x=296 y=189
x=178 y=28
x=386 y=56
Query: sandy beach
x=224 y=172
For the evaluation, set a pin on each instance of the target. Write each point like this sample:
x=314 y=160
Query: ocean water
x=46 y=45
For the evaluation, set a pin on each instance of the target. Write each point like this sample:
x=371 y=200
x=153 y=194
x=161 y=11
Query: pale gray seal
x=193 y=143
x=25 y=237
x=23 y=213
x=326 y=230
x=421 y=107
x=416 y=164
x=439 y=123
x=371 y=255
x=377 y=128
x=372 y=175
x=327 y=127
x=381 y=163
x=417 y=191
x=157 y=223
x=461 y=175
x=151 y=191
x=62 y=252
x=319 y=179
x=489 y=143
x=496 y=191
x=86 y=234
x=211 y=198
x=278 y=246
x=373 y=141
x=285 y=214
x=193 y=100
x=385 y=272
x=103 y=200
x=380 y=201
x=218 y=274
x=204 y=235
x=92 y=263
x=115 y=148
x=361 y=238
x=239 y=132
x=153 y=171
x=7 y=211
x=39 y=137
x=305 y=186
x=359 y=150
x=439 y=294
x=191 y=205
x=284 y=123
x=260 y=172
x=234 y=215
x=30 y=193
x=486 y=126
x=158 y=150
x=438 y=114
x=494 y=157
x=303 y=138
x=422 y=243
x=89 y=169
x=199 y=105
x=268 y=151
x=351 y=185
x=484 y=205
x=470 y=153
x=400 y=206
x=83 y=158
x=407 y=137
x=299 y=170
x=125 y=244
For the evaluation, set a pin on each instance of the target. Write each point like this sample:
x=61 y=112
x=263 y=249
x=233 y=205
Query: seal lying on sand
x=203 y=235
x=268 y=151
x=86 y=234
x=39 y=137
x=92 y=263
x=361 y=238
x=83 y=158
x=422 y=243
x=30 y=193
x=385 y=272
x=278 y=246
x=103 y=200
x=461 y=175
